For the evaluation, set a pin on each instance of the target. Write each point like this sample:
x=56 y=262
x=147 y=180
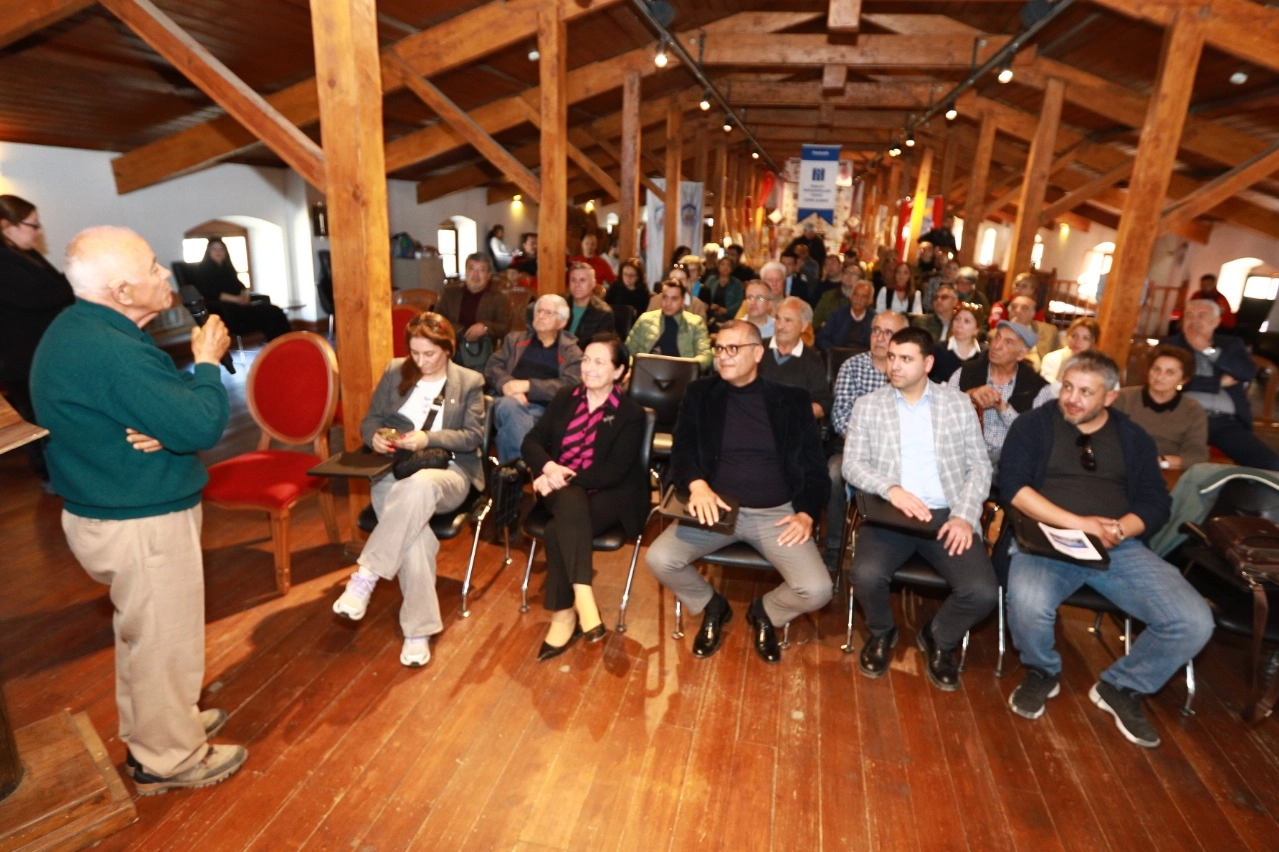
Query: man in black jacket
x=744 y=437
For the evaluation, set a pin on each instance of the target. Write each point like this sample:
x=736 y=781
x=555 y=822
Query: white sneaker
x=416 y=652
x=355 y=600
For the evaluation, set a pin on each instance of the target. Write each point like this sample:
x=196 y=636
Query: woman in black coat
x=228 y=298
x=583 y=452
x=32 y=293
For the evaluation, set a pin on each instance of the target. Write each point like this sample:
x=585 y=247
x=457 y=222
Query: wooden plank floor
x=631 y=744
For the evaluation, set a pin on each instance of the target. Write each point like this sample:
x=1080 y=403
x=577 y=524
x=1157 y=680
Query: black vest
x=1026 y=386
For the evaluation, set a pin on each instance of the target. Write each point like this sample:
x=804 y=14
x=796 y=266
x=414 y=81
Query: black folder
x=353 y=464
x=675 y=505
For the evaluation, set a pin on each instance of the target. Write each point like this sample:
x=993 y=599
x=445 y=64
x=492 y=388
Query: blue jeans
x=1178 y=622
x=513 y=419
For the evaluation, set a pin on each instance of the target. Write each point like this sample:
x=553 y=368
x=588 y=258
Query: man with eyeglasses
x=1081 y=465
x=743 y=437
x=528 y=370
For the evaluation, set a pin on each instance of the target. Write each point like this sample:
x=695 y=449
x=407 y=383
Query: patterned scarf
x=577 y=450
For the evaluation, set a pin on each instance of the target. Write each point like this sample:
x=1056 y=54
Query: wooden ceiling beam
x=1087 y=192
x=843 y=17
x=584 y=162
x=783 y=94
x=488 y=147
x=1237 y=27
x=470 y=35
x=1214 y=192
x=762 y=50
x=811 y=116
x=258 y=117
x=29 y=17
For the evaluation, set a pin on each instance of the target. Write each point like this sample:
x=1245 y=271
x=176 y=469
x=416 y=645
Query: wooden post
x=720 y=184
x=949 y=154
x=893 y=200
x=974 y=203
x=552 y=213
x=347 y=67
x=629 y=217
x=1148 y=187
x=731 y=223
x=701 y=162
x=674 y=154
x=1035 y=183
x=921 y=198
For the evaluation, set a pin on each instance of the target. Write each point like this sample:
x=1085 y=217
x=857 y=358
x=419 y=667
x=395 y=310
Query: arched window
x=986 y=253
x=236 y=238
x=1233 y=277
x=1096 y=266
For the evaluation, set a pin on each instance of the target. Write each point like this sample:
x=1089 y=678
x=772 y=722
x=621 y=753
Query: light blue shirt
x=919 y=454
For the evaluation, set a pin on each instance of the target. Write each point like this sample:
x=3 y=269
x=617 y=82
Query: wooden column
x=945 y=186
x=1148 y=187
x=347 y=69
x=552 y=213
x=975 y=201
x=921 y=198
x=701 y=162
x=630 y=160
x=674 y=154
x=1035 y=183
x=892 y=198
x=731 y=219
x=719 y=181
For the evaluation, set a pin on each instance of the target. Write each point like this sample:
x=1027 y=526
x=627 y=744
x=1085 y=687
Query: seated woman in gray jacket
x=422 y=400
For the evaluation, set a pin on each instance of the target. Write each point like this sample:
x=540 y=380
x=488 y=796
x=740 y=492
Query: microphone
x=194 y=302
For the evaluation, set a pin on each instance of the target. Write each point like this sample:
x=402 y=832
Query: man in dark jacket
x=1080 y=466
x=742 y=437
x=590 y=315
x=1223 y=369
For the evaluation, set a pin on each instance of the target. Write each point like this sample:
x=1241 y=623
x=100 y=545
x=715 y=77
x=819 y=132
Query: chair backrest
x=835 y=357
x=646 y=447
x=417 y=297
x=292 y=388
x=184 y=273
x=324 y=283
x=623 y=319
x=519 y=298
x=659 y=381
x=1252 y=497
x=400 y=318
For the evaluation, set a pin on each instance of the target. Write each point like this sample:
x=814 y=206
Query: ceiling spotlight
x=910 y=141
x=754 y=155
x=952 y=114
x=534 y=55
x=894 y=151
x=728 y=124
x=706 y=101
x=661 y=58
x=1239 y=78
x=1006 y=72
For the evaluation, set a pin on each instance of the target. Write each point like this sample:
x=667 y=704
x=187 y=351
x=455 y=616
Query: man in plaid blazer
x=919 y=446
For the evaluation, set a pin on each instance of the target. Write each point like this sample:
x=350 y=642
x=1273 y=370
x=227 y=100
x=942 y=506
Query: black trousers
x=576 y=518
x=881 y=551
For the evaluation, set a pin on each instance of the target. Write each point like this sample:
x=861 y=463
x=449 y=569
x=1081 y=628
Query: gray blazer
x=872 y=450
x=463 y=429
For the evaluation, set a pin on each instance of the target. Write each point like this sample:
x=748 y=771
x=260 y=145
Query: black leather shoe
x=765 y=635
x=943 y=668
x=712 y=630
x=875 y=657
x=547 y=652
x=596 y=633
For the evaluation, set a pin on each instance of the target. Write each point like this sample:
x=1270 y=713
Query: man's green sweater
x=95 y=374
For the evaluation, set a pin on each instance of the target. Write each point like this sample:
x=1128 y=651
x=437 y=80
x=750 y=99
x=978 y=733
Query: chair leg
x=280 y=541
x=470 y=568
x=528 y=570
x=785 y=643
x=999 y=661
x=1127 y=635
x=330 y=516
x=679 y=621
x=847 y=647
x=630 y=578
x=963 y=651
x=1186 y=709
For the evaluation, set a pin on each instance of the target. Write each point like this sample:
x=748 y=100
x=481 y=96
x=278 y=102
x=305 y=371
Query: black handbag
x=409 y=462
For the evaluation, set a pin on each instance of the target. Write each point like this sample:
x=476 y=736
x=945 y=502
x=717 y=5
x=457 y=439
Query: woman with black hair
x=226 y=296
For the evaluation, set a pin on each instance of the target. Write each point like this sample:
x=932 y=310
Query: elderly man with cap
x=1001 y=384
x=1022 y=309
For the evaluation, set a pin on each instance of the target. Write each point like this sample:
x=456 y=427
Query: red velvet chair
x=401 y=316
x=292 y=392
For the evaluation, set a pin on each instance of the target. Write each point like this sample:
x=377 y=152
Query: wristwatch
x=1164 y=464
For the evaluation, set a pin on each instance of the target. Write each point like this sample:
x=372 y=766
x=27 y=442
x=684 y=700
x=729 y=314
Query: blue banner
x=818 y=175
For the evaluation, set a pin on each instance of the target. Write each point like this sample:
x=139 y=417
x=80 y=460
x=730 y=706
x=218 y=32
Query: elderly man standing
x=477 y=310
x=671 y=330
x=788 y=361
x=858 y=376
x=918 y=446
x=590 y=315
x=1223 y=369
x=1001 y=384
x=528 y=370
x=744 y=437
x=1080 y=465
x=124 y=429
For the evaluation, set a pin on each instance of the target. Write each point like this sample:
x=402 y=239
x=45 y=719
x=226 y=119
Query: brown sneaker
x=220 y=763
x=213 y=721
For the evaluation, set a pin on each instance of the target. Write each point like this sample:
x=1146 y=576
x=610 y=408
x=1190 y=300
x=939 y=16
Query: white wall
x=74 y=189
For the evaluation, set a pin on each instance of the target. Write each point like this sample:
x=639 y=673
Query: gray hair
x=1216 y=308
x=772 y=264
x=555 y=300
x=1097 y=363
x=805 y=309
x=968 y=273
x=479 y=257
x=746 y=327
x=898 y=315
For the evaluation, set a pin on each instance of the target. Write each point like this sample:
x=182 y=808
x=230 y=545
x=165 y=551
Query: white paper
x=1072 y=543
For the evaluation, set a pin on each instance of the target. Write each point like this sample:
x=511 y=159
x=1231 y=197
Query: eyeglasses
x=1087 y=459
x=757 y=298
x=730 y=349
x=35 y=226
x=882 y=332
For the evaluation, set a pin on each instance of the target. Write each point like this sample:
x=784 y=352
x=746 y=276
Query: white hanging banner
x=818 y=178
x=689 y=226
